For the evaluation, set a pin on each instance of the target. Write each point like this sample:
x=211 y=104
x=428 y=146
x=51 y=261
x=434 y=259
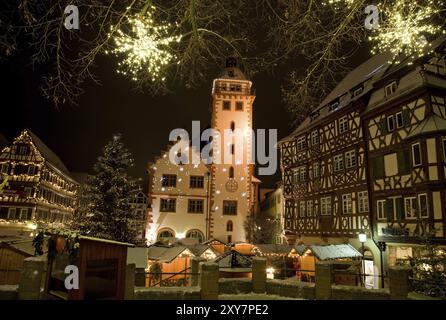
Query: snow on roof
x=165 y=253
x=334 y=251
x=283 y=249
x=106 y=241
x=233 y=259
x=434 y=123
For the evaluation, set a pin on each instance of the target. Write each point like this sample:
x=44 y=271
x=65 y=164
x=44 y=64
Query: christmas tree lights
x=146 y=50
x=405 y=28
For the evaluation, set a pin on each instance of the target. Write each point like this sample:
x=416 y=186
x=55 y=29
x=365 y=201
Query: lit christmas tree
x=109 y=194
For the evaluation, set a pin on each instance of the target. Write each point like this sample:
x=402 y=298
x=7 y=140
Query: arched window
x=195 y=234
x=231 y=172
x=232 y=125
x=166 y=233
x=229 y=226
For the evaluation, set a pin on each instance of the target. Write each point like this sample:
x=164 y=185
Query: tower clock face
x=231 y=185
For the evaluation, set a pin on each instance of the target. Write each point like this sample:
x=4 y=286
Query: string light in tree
x=146 y=50
x=405 y=28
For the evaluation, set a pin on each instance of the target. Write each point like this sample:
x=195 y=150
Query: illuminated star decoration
x=146 y=50
x=405 y=29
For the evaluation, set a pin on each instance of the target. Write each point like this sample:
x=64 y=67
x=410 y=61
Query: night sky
x=77 y=133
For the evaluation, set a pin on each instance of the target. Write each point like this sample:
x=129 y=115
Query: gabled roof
x=47 y=153
x=210 y=241
x=431 y=124
x=282 y=249
x=199 y=249
x=165 y=253
x=232 y=259
x=335 y=251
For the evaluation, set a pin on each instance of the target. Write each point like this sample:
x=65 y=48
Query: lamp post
x=362 y=238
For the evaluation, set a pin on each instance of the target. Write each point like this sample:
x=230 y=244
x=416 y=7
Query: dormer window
x=314 y=115
x=334 y=106
x=357 y=91
x=391 y=88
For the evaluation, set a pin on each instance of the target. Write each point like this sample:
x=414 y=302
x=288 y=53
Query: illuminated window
x=11 y=214
x=381 y=209
x=168 y=205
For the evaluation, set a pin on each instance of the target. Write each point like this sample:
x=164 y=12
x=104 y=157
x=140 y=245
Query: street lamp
x=362 y=238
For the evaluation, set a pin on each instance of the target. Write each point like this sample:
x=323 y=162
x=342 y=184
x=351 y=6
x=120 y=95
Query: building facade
x=38 y=186
x=370 y=160
x=210 y=200
x=272 y=206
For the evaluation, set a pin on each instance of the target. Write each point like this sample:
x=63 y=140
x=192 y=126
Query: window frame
x=353 y=160
x=303 y=174
x=343 y=125
x=301 y=143
x=199 y=182
x=381 y=204
x=347 y=205
x=168 y=209
x=238 y=104
x=444 y=148
x=392 y=86
x=326 y=208
x=317 y=165
x=194 y=207
x=392 y=117
x=229 y=226
x=315 y=136
x=399 y=115
x=363 y=202
x=302 y=209
x=412 y=200
x=225 y=207
x=226 y=105
x=2 y=168
x=419 y=206
x=336 y=166
x=310 y=208
x=166 y=181
x=419 y=154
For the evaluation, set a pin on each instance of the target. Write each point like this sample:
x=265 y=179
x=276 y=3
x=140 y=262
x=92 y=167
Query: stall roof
x=165 y=253
x=199 y=249
x=214 y=240
x=273 y=248
x=233 y=259
x=300 y=249
x=106 y=241
x=334 y=251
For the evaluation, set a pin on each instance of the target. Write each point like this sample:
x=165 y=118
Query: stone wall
x=291 y=289
x=339 y=292
x=234 y=285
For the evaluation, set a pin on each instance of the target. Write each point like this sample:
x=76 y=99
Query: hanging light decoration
x=146 y=49
x=405 y=29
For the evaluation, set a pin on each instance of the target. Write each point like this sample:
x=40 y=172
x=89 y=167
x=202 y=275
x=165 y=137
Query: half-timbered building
x=37 y=185
x=405 y=125
x=371 y=159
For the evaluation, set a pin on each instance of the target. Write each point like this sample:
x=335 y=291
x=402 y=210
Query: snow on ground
x=253 y=296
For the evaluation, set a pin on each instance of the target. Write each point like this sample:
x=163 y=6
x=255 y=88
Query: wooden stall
x=101 y=264
x=217 y=245
x=11 y=262
x=233 y=264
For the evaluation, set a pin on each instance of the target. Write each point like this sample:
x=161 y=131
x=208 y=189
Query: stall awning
x=335 y=251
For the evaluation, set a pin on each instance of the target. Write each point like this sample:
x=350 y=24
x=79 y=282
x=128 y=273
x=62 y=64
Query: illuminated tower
x=231 y=182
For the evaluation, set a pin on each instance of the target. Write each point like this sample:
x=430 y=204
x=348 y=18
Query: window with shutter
x=403 y=162
x=378 y=167
x=389 y=210
x=383 y=126
x=399 y=209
